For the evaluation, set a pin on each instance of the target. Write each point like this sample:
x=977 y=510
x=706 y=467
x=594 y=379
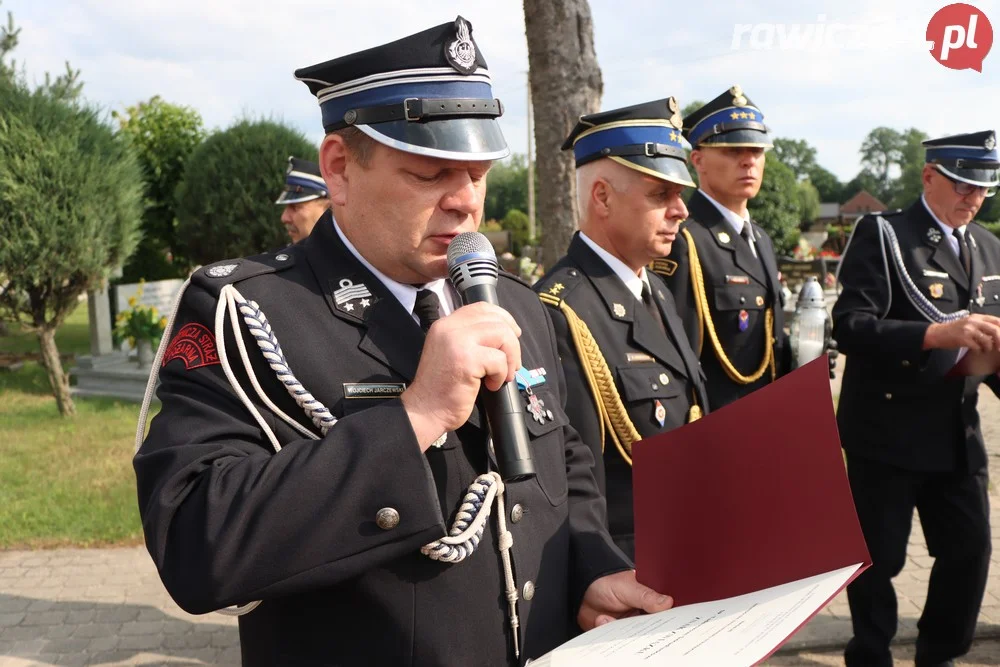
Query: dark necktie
x=654 y=312
x=963 y=251
x=745 y=233
x=427 y=308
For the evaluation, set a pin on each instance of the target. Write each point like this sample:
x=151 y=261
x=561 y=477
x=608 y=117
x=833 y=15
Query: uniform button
x=743 y=299
x=664 y=378
x=906 y=363
x=516 y=513
x=387 y=518
x=996 y=296
x=888 y=396
x=282 y=257
x=573 y=272
x=655 y=386
x=528 y=591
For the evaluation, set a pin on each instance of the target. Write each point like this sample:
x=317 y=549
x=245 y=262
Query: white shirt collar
x=632 y=281
x=734 y=219
x=405 y=294
x=944 y=228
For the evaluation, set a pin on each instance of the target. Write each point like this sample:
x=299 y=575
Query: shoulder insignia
x=230 y=271
x=664 y=267
x=549 y=300
x=194 y=345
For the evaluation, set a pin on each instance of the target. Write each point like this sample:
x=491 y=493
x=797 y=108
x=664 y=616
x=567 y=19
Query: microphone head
x=472 y=261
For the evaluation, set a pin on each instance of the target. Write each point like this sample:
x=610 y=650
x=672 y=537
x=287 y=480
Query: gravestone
x=110 y=372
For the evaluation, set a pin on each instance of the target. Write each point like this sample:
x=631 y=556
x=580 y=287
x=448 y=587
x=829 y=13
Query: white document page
x=735 y=632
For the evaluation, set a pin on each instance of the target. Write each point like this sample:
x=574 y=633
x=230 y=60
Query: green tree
x=911 y=168
x=777 y=207
x=882 y=150
x=691 y=107
x=828 y=186
x=808 y=201
x=865 y=180
x=71 y=197
x=163 y=135
x=507 y=187
x=795 y=154
x=225 y=201
x=516 y=222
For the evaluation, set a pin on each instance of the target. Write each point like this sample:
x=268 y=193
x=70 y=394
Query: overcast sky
x=234 y=58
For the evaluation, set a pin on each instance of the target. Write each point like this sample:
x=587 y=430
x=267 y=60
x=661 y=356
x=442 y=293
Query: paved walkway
x=107 y=607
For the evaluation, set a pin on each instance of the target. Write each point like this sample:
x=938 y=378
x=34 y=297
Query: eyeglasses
x=964 y=189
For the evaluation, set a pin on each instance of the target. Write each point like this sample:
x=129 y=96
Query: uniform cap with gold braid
x=429 y=94
x=731 y=119
x=644 y=137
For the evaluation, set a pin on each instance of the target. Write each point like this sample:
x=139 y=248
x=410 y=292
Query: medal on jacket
x=536 y=407
x=744 y=320
x=659 y=413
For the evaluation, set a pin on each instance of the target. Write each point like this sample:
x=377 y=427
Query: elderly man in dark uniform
x=722 y=269
x=921 y=290
x=305 y=198
x=320 y=428
x=629 y=367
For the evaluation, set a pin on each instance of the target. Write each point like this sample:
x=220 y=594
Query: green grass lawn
x=63 y=481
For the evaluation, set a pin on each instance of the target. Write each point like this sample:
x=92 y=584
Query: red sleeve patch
x=194 y=344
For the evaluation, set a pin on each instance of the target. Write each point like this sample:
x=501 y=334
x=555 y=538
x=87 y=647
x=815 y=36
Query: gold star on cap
x=673 y=136
x=735 y=115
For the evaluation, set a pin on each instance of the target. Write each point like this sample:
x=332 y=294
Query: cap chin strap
x=416 y=109
x=470 y=521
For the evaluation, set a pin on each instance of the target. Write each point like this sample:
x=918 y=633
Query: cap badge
x=675 y=119
x=461 y=53
x=738 y=99
x=990 y=142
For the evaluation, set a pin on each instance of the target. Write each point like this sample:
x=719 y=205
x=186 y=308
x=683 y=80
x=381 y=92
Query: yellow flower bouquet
x=139 y=322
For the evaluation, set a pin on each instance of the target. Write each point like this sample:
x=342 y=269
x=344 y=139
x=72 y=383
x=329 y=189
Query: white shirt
x=735 y=221
x=406 y=294
x=632 y=280
x=952 y=241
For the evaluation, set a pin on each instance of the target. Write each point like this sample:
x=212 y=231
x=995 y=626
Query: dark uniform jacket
x=735 y=282
x=227 y=520
x=896 y=405
x=647 y=366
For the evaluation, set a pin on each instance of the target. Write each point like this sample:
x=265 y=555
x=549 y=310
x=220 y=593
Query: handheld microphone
x=473 y=270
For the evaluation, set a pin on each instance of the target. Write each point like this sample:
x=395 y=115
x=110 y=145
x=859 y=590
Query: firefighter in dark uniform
x=921 y=288
x=305 y=198
x=722 y=269
x=319 y=430
x=629 y=367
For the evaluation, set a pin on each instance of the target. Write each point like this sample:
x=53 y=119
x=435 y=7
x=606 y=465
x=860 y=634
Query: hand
x=475 y=345
x=617 y=596
x=978 y=332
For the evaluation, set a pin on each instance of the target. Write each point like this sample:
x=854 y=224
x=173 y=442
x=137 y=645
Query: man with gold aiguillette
x=722 y=269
